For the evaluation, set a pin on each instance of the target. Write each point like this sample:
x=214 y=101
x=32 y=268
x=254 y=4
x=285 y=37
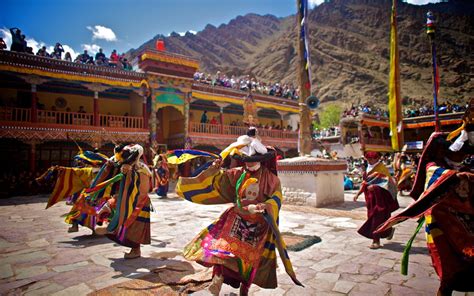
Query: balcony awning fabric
x=431 y=123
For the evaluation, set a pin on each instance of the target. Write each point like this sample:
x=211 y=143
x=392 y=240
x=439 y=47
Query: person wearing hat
x=444 y=199
x=380 y=193
x=129 y=227
x=240 y=244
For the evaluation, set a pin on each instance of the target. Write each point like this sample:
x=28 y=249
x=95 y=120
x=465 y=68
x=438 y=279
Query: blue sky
x=123 y=24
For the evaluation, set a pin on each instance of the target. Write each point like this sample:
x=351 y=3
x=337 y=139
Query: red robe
x=381 y=200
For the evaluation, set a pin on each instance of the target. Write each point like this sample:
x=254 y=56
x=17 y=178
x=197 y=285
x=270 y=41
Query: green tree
x=328 y=117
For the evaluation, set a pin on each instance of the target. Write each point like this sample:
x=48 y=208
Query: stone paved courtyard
x=39 y=257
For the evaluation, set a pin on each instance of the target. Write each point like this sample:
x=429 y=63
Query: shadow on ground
x=165 y=277
x=85 y=240
x=399 y=247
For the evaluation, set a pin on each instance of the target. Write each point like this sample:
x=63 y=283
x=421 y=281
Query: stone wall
x=312 y=181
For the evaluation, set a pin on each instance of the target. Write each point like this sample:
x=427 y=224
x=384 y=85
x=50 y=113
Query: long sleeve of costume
x=212 y=186
x=69 y=182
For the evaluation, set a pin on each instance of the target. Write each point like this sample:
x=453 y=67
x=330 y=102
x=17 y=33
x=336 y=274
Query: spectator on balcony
x=81 y=109
x=3 y=45
x=67 y=57
x=204 y=117
x=100 y=58
x=214 y=120
x=114 y=58
x=58 y=51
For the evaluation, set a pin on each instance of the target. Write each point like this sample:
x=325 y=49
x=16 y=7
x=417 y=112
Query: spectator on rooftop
x=3 y=45
x=114 y=58
x=84 y=57
x=58 y=51
x=126 y=65
x=42 y=52
x=17 y=43
x=100 y=58
x=24 y=45
x=67 y=57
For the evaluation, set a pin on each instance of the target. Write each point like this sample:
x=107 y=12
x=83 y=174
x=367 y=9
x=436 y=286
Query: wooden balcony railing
x=15 y=114
x=121 y=121
x=376 y=141
x=70 y=118
x=205 y=128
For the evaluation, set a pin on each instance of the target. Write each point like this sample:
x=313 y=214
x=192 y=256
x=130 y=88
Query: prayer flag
x=394 y=99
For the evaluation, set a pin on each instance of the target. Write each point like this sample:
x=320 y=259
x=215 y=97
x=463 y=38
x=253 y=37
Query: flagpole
x=304 y=75
x=430 y=30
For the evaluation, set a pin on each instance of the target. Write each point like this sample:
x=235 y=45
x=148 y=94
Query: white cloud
x=101 y=32
x=92 y=49
x=313 y=3
x=7 y=36
x=34 y=44
x=69 y=49
x=422 y=2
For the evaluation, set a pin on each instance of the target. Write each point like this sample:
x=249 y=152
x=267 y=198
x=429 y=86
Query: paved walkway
x=38 y=256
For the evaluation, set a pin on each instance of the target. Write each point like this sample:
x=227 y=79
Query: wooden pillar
x=34 y=104
x=96 y=108
x=144 y=112
x=282 y=115
x=221 y=106
x=221 y=115
x=32 y=158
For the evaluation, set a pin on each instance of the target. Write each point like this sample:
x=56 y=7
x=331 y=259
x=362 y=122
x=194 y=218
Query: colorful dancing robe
x=84 y=211
x=130 y=223
x=448 y=215
x=380 y=193
x=240 y=246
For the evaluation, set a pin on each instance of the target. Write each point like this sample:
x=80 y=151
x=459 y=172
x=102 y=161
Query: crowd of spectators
x=246 y=83
x=412 y=111
x=21 y=183
x=366 y=109
x=425 y=110
x=19 y=44
x=327 y=132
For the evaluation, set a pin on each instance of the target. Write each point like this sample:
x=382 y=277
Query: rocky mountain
x=349 y=46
